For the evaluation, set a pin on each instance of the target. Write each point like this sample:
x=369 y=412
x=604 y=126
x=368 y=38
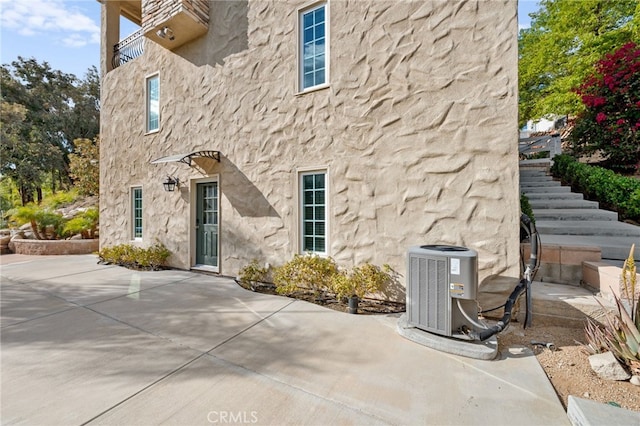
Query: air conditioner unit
x=441 y=289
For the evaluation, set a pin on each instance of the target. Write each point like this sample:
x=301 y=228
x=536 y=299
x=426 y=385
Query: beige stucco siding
x=416 y=129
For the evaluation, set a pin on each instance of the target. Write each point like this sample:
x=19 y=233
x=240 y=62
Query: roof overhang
x=186 y=158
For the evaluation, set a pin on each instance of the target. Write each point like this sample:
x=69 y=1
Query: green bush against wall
x=614 y=191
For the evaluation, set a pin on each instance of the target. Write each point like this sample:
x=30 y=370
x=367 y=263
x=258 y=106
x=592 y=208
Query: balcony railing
x=128 y=49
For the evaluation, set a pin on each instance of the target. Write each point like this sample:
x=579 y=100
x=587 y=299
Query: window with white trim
x=314 y=47
x=136 y=212
x=152 y=103
x=313 y=206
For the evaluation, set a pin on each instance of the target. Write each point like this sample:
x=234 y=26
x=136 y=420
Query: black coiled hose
x=523 y=286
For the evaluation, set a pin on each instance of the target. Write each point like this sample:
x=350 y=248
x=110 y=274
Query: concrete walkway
x=84 y=343
x=566 y=218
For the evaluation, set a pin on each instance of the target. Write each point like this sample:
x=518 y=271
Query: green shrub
x=85 y=224
x=61 y=198
x=525 y=207
x=132 y=257
x=305 y=272
x=614 y=191
x=251 y=274
x=361 y=280
x=45 y=223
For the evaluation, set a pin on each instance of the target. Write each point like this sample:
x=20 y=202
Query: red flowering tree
x=611 y=122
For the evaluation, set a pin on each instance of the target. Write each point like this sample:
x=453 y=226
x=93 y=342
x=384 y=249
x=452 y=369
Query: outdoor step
x=584 y=227
x=554 y=196
x=556 y=303
x=541 y=163
x=553 y=303
x=529 y=180
x=532 y=180
x=533 y=173
x=536 y=175
x=540 y=183
x=616 y=248
x=563 y=204
x=543 y=189
x=574 y=214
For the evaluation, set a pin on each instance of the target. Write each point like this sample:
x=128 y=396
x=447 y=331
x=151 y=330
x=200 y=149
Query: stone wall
x=156 y=12
x=417 y=129
x=53 y=247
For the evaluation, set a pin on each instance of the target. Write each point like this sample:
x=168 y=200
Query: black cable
x=492 y=309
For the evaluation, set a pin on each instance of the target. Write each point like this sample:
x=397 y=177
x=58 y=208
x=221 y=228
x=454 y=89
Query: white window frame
x=327 y=37
x=147 y=107
x=134 y=211
x=301 y=206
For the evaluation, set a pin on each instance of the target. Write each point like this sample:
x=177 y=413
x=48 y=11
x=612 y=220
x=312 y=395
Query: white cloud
x=55 y=18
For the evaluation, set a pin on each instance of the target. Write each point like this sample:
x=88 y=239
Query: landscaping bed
x=366 y=306
x=568 y=367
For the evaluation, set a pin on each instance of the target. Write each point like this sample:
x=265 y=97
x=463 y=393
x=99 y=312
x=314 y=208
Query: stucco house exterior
x=351 y=129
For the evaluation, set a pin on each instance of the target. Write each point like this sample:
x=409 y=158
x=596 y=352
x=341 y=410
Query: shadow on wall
x=395 y=290
x=243 y=195
x=228 y=34
x=494 y=290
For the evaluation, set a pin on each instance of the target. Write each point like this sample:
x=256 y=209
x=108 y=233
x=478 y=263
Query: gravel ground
x=568 y=366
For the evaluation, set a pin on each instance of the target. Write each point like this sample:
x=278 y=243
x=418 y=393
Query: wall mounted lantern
x=171 y=183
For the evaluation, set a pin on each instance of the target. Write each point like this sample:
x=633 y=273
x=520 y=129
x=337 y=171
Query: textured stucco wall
x=417 y=130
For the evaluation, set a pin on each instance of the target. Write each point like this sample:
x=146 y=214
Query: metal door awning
x=186 y=158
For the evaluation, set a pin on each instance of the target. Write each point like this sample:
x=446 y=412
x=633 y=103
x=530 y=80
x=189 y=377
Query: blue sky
x=66 y=33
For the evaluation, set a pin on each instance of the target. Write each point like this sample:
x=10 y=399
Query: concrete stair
x=553 y=304
x=605 y=228
x=564 y=218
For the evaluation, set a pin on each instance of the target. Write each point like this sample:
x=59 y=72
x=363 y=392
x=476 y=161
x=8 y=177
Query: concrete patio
x=84 y=343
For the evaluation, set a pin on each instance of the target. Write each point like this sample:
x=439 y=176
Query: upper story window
x=153 y=103
x=314 y=47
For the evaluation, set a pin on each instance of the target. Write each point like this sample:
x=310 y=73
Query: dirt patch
x=568 y=366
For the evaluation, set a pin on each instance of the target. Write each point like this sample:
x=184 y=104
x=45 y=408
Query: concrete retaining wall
x=48 y=247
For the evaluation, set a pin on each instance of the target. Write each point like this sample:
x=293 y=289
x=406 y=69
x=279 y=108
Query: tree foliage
x=610 y=122
x=558 y=51
x=84 y=166
x=43 y=111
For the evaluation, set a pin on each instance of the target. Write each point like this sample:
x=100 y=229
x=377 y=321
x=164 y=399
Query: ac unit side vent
x=436 y=276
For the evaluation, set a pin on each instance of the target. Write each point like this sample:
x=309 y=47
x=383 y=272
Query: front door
x=207 y=224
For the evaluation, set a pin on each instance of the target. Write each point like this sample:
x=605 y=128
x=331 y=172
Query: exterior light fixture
x=171 y=183
x=165 y=32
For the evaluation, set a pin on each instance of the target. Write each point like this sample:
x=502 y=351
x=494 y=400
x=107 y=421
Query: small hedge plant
x=360 y=280
x=614 y=191
x=305 y=272
x=151 y=258
x=252 y=274
x=321 y=275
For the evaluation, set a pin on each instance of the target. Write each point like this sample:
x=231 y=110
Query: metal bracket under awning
x=186 y=158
